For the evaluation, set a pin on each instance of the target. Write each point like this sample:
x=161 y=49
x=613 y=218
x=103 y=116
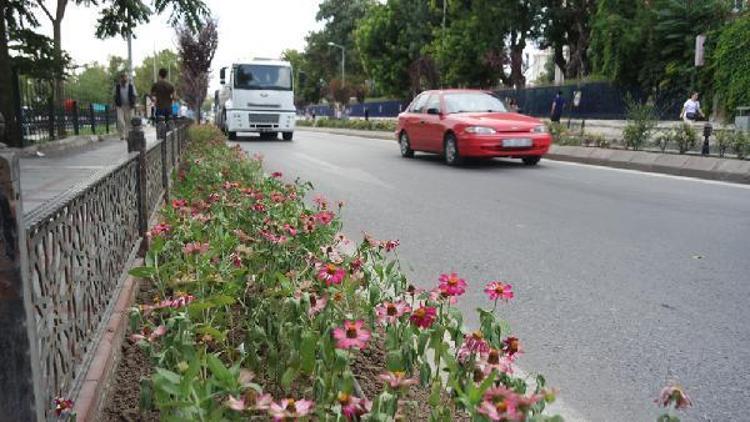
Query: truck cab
x=257 y=96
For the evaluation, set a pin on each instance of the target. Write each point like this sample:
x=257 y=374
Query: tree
x=197 y=50
x=92 y=85
x=731 y=64
x=567 y=23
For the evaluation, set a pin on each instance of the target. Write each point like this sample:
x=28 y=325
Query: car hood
x=502 y=122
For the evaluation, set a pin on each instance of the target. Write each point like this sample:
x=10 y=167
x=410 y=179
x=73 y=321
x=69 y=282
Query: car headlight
x=480 y=130
x=539 y=129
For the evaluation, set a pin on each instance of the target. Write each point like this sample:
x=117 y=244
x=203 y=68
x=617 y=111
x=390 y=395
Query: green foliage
x=641 y=122
x=93 y=85
x=731 y=64
x=724 y=139
x=664 y=139
x=561 y=135
x=144 y=73
x=740 y=144
x=359 y=124
x=685 y=137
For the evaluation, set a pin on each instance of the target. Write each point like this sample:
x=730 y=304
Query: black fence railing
x=41 y=119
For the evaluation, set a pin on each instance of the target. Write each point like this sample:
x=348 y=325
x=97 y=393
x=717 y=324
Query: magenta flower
x=424 y=316
x=291 y=230
x=474 y=344
x=495 y=360
x=324 y=217
x=195 y=248
x=499 y=290
x=389 y=312
x=62 y=406
x=259 y=208
x=353 y=407
x=179 y=203
x=512 y=346
x=236 y=259
x=452 y=285
x=159 y=229
x=674 y=394
x=500 y=404
x=351 y=335
x=290 y=409
x=147 y=335
x=331 y=274
x=397 y=379
x=317 y=304
x=390 y=245
x=277 y=175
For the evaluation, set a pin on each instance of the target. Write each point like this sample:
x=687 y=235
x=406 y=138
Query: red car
x=469 y=124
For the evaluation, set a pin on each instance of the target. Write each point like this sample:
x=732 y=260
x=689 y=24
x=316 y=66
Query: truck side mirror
x=222 y=75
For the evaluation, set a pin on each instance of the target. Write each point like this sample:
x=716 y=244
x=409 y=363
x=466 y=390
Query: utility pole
x=343 y=61
x=130 y=55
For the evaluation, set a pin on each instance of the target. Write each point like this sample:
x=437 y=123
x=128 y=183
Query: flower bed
x=256 y=312
x=387 y=125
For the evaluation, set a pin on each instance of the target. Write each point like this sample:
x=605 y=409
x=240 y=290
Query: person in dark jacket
x=125 y=102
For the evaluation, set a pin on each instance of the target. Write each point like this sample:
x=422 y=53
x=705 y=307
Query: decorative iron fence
x=41 y=119
x=73 y=257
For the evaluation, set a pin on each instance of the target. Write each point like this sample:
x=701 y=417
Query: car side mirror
x=433 y=111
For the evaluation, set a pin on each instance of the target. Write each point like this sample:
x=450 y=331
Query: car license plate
x=517 y=143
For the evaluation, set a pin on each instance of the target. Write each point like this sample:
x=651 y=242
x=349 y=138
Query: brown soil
x=124 y=396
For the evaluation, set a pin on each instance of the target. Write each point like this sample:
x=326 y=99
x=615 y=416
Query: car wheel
x=452 y=157
x=288 y=136
x=532 y=160
x=403 y=141
x=232 y=136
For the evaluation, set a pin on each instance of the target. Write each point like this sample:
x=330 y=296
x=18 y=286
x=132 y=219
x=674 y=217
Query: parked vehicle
x=469 y=124
x=257 y=97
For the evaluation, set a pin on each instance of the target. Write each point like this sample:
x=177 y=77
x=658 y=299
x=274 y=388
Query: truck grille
x=264 y=118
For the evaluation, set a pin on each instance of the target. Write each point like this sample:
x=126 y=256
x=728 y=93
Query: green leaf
x=218 y=369
x=168 y=375
x=143 y=272
x=288 y=378
x=307 y=352
x=211 y=331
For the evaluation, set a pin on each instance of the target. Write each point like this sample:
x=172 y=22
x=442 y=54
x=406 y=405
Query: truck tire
x=232 y=136
x=288 y=136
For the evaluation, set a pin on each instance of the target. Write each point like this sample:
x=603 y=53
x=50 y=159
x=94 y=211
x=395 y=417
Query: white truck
x=257 y=97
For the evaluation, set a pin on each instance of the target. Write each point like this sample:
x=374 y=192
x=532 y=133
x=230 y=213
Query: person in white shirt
x=691 y=110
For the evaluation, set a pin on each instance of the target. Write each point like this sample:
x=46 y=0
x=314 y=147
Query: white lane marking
x=648 y=173
x=349 y=172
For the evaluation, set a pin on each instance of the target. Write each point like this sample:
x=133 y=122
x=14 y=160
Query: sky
x=247 y=28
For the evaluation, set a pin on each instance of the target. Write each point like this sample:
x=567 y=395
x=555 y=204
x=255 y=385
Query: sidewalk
x=44 y=178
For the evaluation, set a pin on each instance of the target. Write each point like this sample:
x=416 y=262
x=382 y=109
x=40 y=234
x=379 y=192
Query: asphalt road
x=623 y=280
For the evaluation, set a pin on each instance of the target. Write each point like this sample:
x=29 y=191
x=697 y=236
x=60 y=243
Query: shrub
x=724 y=139
x=595 y=139
x=664 y=139
x=740 y=144
x=257 y=305
x=732 y=64
x=685 y=137
x=641 y=122
x=359 y=124
x=561 y=135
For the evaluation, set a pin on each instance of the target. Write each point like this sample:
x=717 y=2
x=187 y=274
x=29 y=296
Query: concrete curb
x=100 y=375
x=69 y=143
x=711 y=168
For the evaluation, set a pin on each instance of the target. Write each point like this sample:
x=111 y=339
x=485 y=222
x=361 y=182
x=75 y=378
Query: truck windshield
x=252 y=76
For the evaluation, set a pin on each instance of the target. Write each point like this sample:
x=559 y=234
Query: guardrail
x=62 y=267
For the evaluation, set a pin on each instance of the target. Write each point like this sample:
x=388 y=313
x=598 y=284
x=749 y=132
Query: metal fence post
x=161 y=128
x=92 y=119
x=137 y=143
x=51 y=117
x=165 y=167
x=19 y=368
x=76 y=128
x=106 y=117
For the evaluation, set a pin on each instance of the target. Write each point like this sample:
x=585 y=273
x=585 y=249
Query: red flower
x=277 y=197
x=452 y=285
x=236 y=260
x=159 y=229
x=179 y=203
x=291 y=230
x=391 y=245
x=512 y=346
x=499 y=290
x=277 y=175
x=62 y=406
x=424 y=316
x=324 y=217
x=351 y=335
x=195 y=248
x=356 y=264
x=259 y=208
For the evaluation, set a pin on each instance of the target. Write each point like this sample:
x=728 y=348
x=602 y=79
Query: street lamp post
x=343 y=61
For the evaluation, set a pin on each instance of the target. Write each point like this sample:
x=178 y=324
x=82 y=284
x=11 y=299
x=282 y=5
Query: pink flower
x=251 y=400
x=258 y=156
x=324 y=217
x=331 y=274
x=495 y=360
x=277 y=197
x=236 y=260
x=259 y=208
x=371 y=241
x=391 y=245
x=499 y=290
x=424 y=316
x=353 y=407
x=317 y=304
x=321 y=201
x=290 y=409
x=351 y=335
x=452 y=285
x=500 y=404
x=62 y=406
x=175 y=303
x=179 y=203
x=230 y=185
x=214 y=197
x=195 y=248
x=159 y=229
x=389 y=312
x=200 y=217
x=397 y=380
x=512 y=346
x=148 y=335
x=291 y=230
x=674 y=394
x=277 y=175
x=356 y=264
x=474 y=344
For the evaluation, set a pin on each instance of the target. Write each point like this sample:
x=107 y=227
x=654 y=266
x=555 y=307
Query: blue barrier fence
x=389 y=108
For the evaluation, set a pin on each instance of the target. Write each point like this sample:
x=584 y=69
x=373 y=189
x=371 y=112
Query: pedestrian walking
x=513 y=105
x=557 y=107
x=162 y=93
x=691 y=110
x=125 y=102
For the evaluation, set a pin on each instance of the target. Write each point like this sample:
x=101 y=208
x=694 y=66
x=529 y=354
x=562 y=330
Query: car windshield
x=263 y=77
x=473 y=102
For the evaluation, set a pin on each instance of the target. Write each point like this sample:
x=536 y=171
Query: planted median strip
x=258 y=313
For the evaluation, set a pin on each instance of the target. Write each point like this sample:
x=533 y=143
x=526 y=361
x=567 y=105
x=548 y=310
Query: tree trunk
x=12 y=136
x=516 y=63
x=57 y=42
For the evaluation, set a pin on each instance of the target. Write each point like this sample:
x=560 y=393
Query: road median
x=688 y=165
